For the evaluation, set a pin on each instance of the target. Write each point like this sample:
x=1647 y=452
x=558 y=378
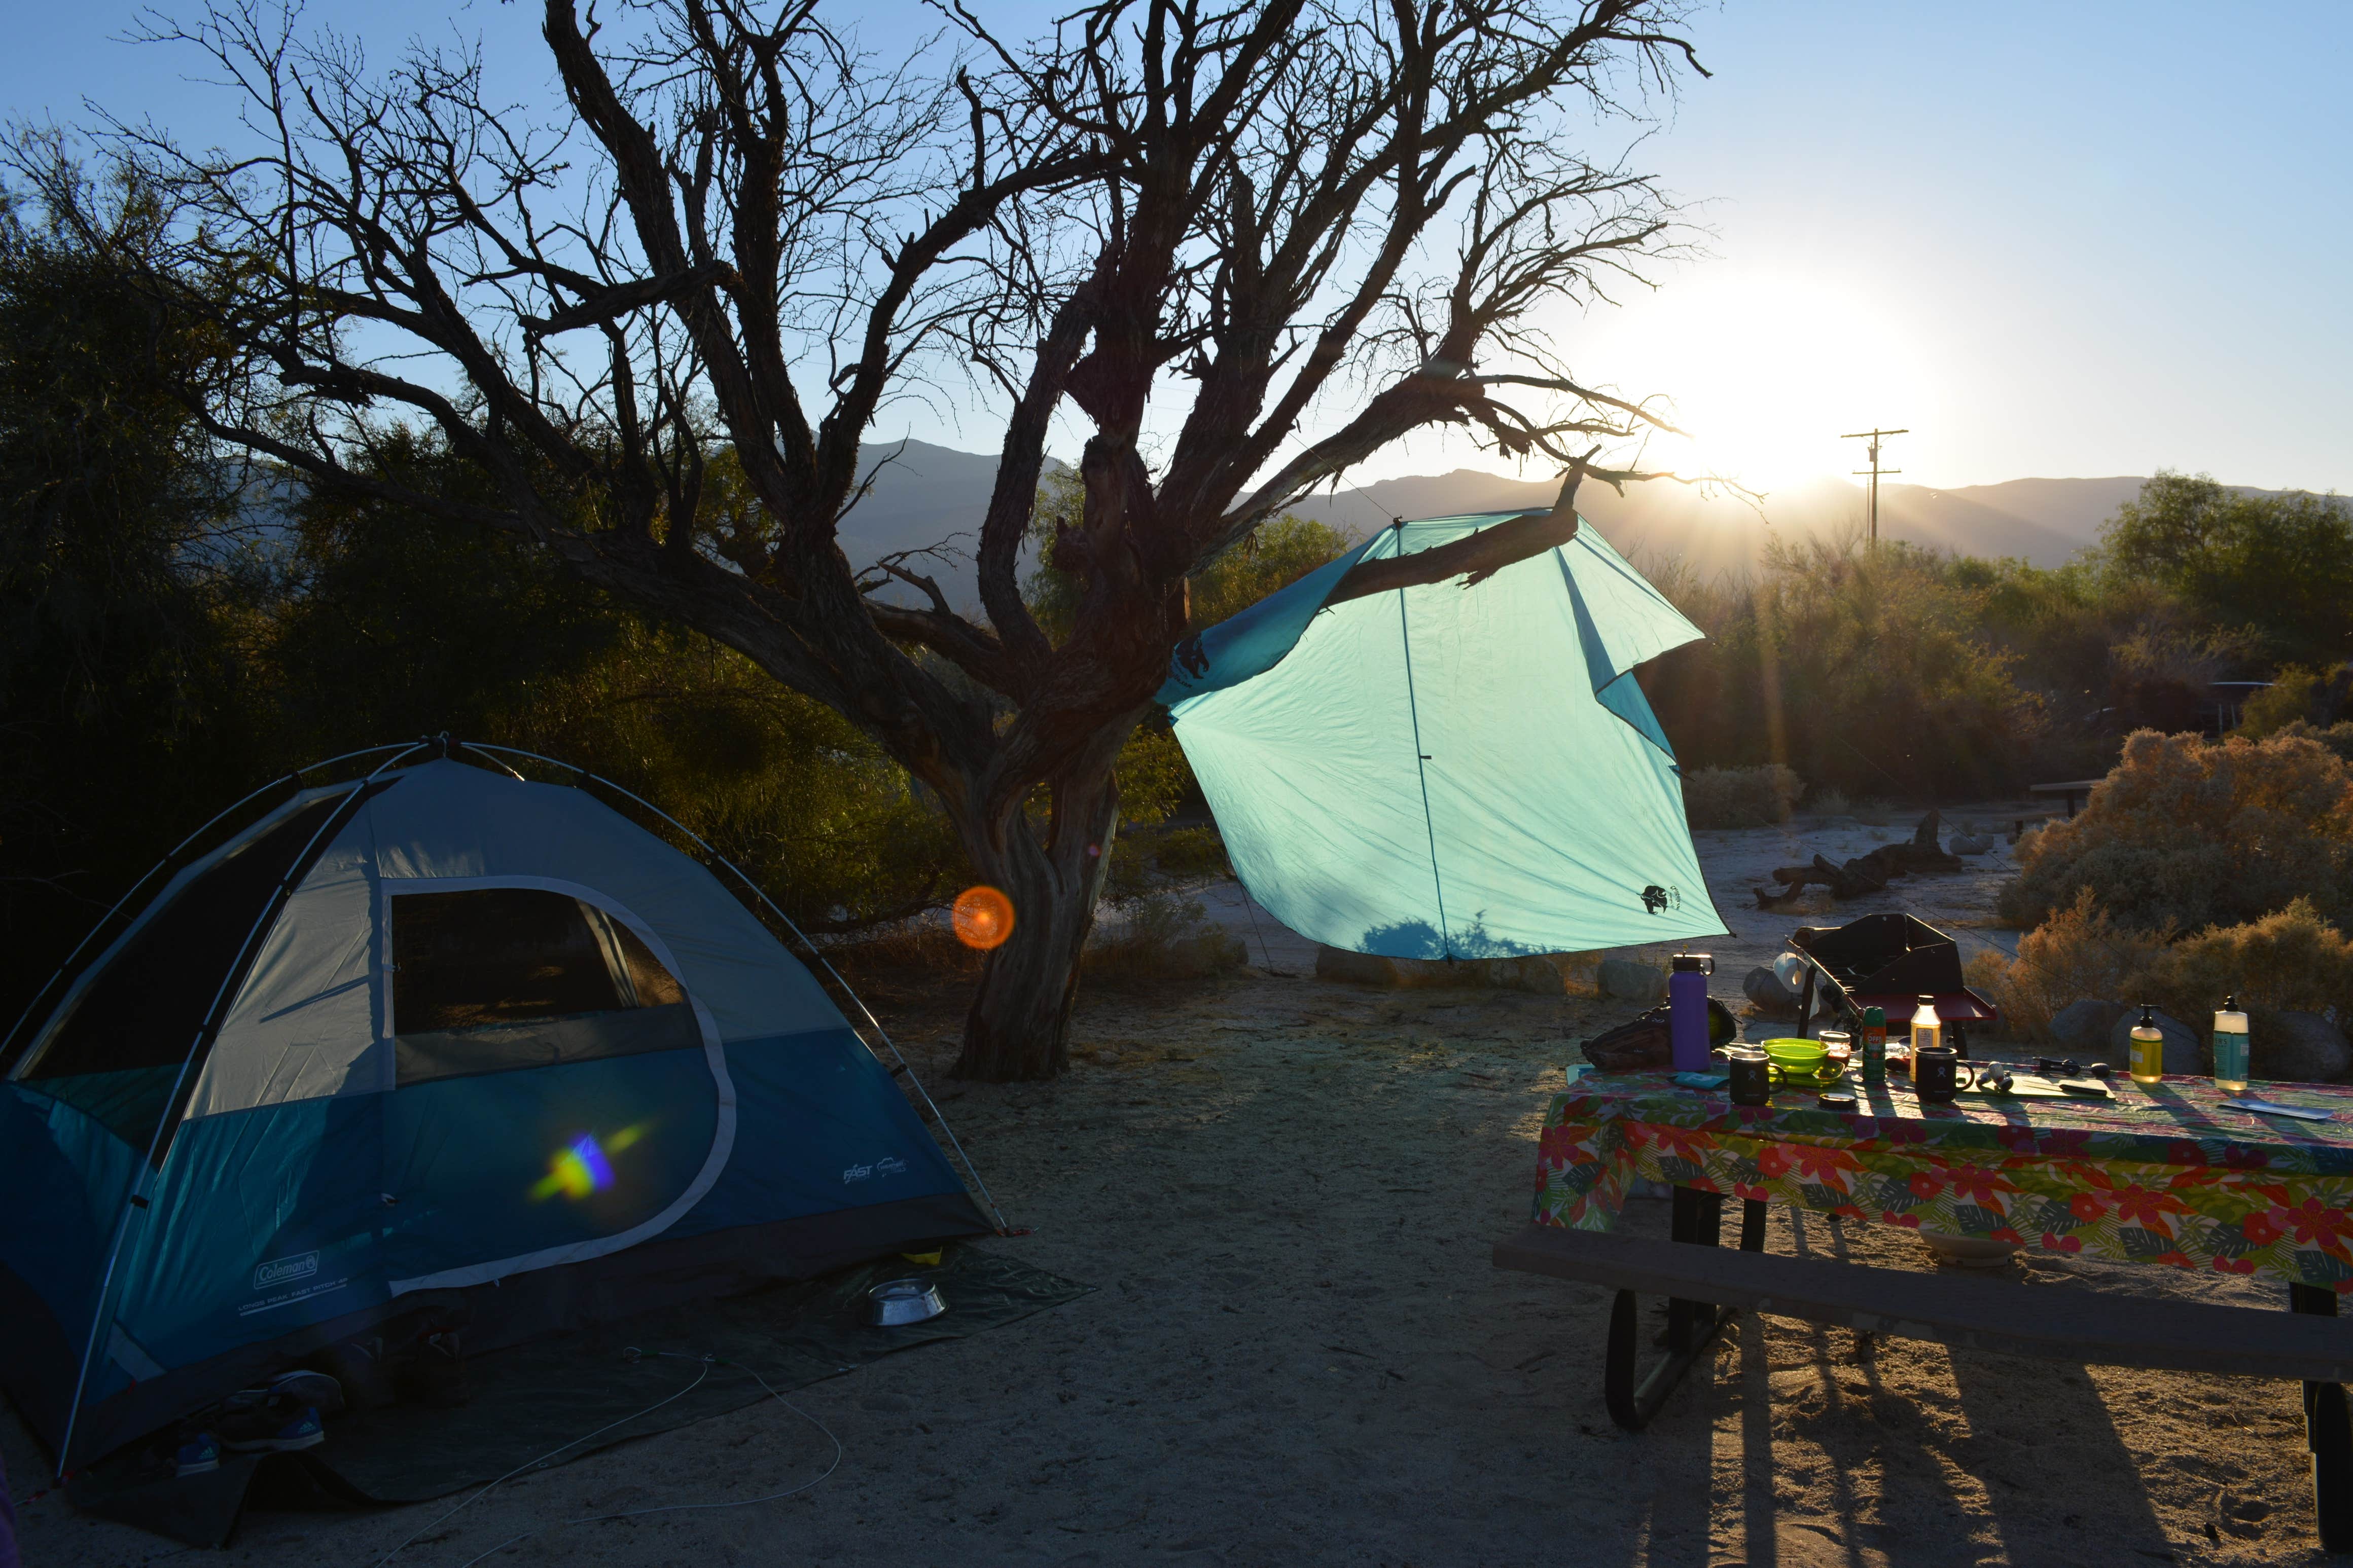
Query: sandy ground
x=1300 y=1354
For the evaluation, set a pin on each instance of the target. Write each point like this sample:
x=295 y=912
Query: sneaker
x=278 y=1431
x=198 y=1456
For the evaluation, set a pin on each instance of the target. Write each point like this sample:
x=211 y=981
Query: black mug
x=1936 y=1075
x=1752 y=1077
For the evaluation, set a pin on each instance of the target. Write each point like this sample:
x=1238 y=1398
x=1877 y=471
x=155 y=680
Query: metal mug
x=1939 y=1077
x=1753 y=1074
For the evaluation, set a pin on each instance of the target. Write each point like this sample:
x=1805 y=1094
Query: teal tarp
x=1443 y=772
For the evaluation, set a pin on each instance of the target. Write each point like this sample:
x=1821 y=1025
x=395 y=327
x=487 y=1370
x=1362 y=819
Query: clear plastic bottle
x=2148 y=1063
x=1927 y=1030
x=2230 y=1046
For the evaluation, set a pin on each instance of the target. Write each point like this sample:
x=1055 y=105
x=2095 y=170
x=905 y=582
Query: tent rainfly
x=1443 y=773
x=437 y=1043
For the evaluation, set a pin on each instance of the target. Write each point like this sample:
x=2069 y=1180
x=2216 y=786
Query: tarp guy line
x=1429 y=823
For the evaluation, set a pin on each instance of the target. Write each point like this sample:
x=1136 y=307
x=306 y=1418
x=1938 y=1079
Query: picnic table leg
x=2328 y=1432
x=1691 y=1326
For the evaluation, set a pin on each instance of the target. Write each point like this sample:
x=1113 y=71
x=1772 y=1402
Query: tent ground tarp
x=529 y=1400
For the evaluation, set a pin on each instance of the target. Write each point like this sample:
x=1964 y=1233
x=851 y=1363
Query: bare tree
x=1247 y=245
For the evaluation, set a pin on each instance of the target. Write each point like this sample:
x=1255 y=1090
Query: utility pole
x=1873 y=437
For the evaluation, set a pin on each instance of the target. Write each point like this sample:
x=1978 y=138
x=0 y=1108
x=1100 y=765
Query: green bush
x=2184 y=834
x=2290 y=960
x=2279 y=566
x=1162 y=936
x=2288 y=700
x=1859 y=669
x=1740 y=797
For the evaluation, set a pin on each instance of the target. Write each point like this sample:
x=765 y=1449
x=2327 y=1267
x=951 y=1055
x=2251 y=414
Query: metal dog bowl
x=900 y=1302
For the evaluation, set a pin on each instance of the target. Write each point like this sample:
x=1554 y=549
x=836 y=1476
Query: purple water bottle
x=1687 y=1010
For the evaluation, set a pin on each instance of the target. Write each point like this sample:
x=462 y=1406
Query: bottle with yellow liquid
x=2230 y=1047
x=1927 y=1030
x=2147 y=1061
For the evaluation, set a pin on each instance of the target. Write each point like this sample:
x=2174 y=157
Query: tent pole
x=1003 y=1227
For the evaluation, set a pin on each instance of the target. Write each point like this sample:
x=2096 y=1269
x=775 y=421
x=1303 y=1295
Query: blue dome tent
x=433 y=1039
x=1441 y=772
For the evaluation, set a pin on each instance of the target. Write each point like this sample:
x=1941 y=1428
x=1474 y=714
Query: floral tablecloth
x=2160 y=1175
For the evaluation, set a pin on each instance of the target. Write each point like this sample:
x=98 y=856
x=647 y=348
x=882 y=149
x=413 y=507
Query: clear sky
x=2075 y=239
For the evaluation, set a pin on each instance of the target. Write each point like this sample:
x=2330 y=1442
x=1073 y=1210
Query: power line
x=1873 y=437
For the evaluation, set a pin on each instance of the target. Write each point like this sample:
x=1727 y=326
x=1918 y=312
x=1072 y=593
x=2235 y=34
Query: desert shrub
x=1161 y=936
x=1740 y=797
x=2338 y=737
x=1191 y=852
x=2288 y=699
x=1830 y=802
x=2080 y=951
x=2183 y=835
x=1858 y=667
x=2290 y=960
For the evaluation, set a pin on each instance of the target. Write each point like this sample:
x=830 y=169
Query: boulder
x=1630 y=980
x=2297 y=1047
x=2182 y=1052
x=1968 y=843
x=2082 y=1028
x=1764 y=988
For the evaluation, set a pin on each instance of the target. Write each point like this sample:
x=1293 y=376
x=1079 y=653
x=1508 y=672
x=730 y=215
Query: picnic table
x=2161 y=1173
x=2073 y=790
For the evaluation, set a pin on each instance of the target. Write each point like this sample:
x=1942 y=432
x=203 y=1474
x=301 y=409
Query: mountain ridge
x=930 y=496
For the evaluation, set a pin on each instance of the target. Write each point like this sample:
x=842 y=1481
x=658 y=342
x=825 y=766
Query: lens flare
x=583 y=1166
x=983 y=918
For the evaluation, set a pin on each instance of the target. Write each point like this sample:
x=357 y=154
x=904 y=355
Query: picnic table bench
x=2164 y=1175
x=2073 y=789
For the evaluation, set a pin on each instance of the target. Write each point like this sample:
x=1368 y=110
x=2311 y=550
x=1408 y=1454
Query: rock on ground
x=2298 y=1047
x=2084 y=1026
x=1764 y=988
x=1630 y=980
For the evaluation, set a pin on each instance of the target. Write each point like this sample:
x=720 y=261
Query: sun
x=1763 y=371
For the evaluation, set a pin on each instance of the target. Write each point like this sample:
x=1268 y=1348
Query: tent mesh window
x=488 y=979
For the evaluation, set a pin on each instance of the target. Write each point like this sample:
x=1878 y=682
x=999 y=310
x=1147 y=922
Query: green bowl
x=1799 y=1058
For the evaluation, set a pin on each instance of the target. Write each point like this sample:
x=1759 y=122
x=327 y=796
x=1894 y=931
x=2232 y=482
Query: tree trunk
x=1019 y=1027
